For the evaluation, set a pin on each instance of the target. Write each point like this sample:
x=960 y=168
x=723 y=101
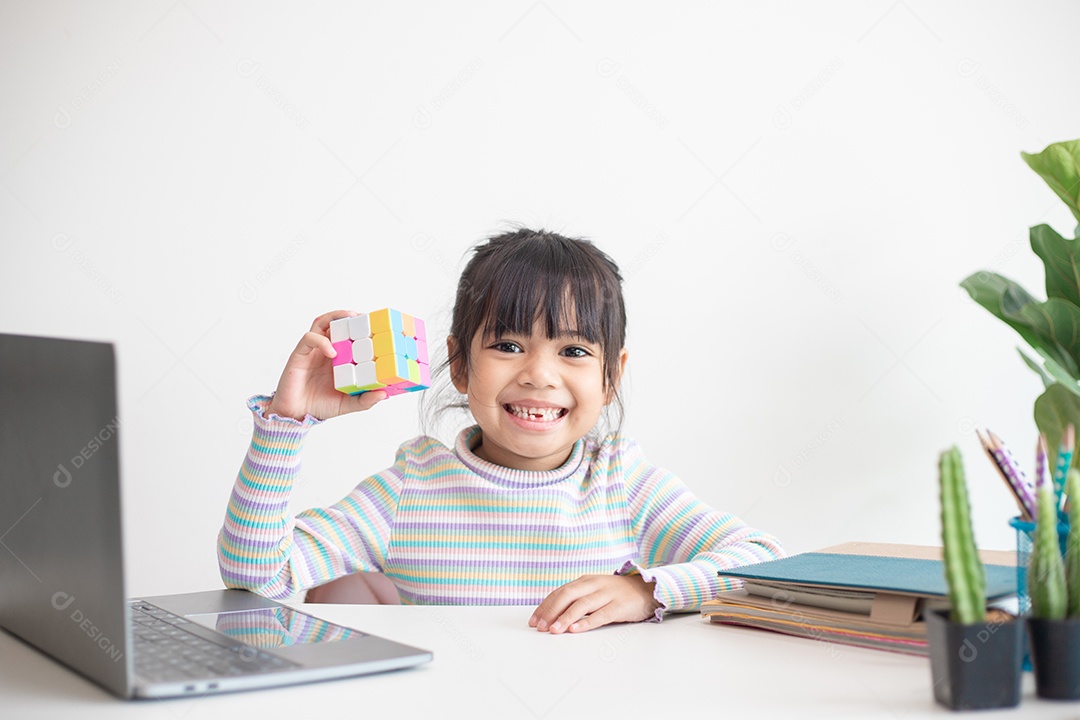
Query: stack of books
x=865 y=594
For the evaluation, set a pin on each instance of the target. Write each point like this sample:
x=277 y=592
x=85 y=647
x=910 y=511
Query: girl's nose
x=539 y=371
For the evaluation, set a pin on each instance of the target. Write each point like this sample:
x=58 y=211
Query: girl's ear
x=621 y=366
x=457 y=364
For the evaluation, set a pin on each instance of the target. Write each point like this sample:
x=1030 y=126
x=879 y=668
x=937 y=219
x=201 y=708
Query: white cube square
x=339 y=330
x=363 y=350
x=364 y=374
x=359 y=327
x=343 y=376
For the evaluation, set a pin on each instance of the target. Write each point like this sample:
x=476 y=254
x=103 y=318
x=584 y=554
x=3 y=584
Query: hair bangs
x=565 y=306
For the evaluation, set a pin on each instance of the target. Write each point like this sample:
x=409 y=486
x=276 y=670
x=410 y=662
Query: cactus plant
x=964 y=571
x=1072 y=546
x=1046 y=569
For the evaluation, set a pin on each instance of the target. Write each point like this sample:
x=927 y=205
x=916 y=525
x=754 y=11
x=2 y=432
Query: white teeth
x=535 y=414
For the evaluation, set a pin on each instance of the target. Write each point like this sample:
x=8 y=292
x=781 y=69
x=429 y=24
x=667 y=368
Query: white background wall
x=794 y=192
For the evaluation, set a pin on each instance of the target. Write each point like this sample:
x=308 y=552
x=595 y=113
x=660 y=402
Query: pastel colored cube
x=423 y=376
x=367 y=377
x=363 y=351
x=339 y=330
x=359 y=327
x=383 y=350
x=345 y=380
x=380 y=321
x=344 y=352
x=387 y=343
x=393 y=369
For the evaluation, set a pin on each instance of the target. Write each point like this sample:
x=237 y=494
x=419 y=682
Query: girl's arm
x=682 y=541
x=262 y=548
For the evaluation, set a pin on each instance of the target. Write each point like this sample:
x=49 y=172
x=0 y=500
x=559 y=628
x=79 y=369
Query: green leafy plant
x=964 y=571
x=1054 y=581
x=1051 y=327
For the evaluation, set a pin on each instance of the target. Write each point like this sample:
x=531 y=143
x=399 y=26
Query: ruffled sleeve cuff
x=258 y=405
x=659 y=595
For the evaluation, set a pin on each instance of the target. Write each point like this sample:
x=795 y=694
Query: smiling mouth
x=535 y=414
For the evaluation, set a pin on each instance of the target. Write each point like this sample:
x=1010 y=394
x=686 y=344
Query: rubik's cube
x=383 y=350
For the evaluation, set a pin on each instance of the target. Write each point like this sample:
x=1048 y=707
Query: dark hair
x=516 y=278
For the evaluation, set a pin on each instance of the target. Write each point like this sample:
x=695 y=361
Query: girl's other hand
x=595 y=600
x=306 y=386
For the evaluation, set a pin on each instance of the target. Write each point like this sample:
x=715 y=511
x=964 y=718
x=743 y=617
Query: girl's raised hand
x=595 y=600
x=306 y=386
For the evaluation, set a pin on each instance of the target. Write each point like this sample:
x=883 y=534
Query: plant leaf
x=1047 y=380
x=1054 y=410
x=1063 y=378
x=988 y=289
x=1062 y=260
x=1017 y=308
x=1058 y=323
x=1059 y=165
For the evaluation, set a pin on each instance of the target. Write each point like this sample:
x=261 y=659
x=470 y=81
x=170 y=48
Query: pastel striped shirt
x=447 y=527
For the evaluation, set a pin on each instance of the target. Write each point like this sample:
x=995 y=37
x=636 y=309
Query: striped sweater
x=448 y=527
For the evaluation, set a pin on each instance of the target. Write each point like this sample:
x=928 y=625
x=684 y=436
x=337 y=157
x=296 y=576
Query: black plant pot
x=975 y=666
x=1055 y=657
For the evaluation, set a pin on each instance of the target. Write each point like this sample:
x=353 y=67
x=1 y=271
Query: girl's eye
x=507 y=346
x=576 y=352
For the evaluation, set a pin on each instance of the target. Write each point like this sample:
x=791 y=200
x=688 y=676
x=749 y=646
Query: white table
x=489 y=663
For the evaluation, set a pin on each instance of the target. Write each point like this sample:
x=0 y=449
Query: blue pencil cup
x=1024 y=530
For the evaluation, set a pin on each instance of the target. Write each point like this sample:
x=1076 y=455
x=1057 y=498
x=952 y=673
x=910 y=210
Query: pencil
x=1006 y=474
x=1064 y=460
x=1016 y=478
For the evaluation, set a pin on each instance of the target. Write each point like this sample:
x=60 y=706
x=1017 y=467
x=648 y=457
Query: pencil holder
x=1024 y=529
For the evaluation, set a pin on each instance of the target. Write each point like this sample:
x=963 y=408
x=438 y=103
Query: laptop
x=61 y=560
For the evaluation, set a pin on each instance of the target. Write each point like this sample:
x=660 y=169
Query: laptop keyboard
x=165 y=651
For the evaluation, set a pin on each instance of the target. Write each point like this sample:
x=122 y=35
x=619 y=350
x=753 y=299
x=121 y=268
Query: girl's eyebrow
x=577 y=335
x=570 y=334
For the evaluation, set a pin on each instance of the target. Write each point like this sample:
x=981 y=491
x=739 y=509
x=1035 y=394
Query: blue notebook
x=900 y=575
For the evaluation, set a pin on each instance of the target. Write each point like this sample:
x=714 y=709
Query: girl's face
x=534 y=397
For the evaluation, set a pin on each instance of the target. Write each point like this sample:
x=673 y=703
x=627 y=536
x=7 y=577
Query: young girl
x=530 y=506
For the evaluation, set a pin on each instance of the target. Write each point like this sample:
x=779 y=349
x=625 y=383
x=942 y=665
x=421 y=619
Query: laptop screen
x=60 y=533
